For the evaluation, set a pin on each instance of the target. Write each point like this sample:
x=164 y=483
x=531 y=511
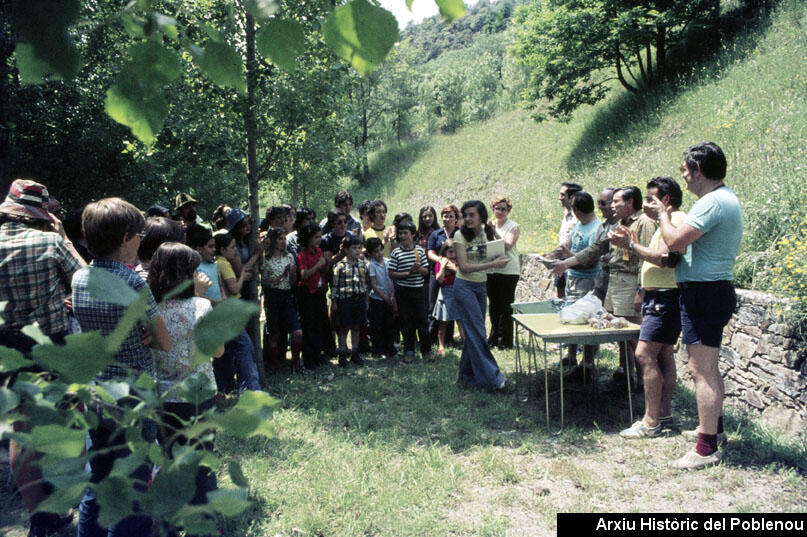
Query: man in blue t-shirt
x=711 y=236
x=580 y=280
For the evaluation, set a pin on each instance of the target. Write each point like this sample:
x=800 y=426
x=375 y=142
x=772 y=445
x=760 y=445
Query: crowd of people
x=393 y=287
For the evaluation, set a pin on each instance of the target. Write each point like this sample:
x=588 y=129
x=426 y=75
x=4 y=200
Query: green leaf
x=79 y=360
x=249 y=417
x=8 y=400
x=12 y=360
x=136 y=98
x=237 y=475
x=281 y=40
x=112 y=391
x=261 y=9
x=34 y=332
x=57 y=440
x=361 y=33
x=108 y=287
x=134 y=313
x=115 y=498
x=177 y=290
x=451 y=9
x=43 y=26
x=170 y=490
x=145 y=382
x=224 y=323
x=167 y=25
x=195 y=389
x=62 y=499
x=228 y=502
x=32 y=69
x=223 y=65
x=409 y=4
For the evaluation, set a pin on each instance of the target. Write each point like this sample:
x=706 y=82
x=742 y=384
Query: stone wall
x=764 y=367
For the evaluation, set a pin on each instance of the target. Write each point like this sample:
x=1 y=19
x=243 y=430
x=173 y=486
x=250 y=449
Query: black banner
x=689 y=524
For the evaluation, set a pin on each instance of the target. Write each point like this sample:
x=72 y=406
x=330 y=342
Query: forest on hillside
x=313 y=124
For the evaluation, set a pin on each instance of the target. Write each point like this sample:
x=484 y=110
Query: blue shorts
x=281 y=315
x=351 y=311
x=661 y=317
x=706 y=308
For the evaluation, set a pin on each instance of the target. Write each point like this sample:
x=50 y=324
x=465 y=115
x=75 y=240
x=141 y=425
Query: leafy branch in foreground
x=359 y=32
x=55 y=395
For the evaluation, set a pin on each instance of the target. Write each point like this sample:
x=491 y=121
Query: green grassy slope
x=751 y=99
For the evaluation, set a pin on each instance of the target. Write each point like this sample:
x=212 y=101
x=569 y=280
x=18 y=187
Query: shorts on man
x=661 y=317
x=706 y=308
x=622 y=288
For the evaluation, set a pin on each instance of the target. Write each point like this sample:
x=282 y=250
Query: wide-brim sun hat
x=234 y=217
x=27 y=198
x=183 y=199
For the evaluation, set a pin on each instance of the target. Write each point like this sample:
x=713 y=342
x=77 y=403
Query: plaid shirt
x=93 y=314
x=35 y=272
x=349 y=279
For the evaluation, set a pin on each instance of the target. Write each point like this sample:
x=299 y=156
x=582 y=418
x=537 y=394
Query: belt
x=652 y=292
x=696 y=285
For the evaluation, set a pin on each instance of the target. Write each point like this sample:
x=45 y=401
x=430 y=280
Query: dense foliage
x=574 y=48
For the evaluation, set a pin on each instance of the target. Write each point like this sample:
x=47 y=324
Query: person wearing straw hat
x=37 y=262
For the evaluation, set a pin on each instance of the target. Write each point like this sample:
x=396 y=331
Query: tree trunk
x=661 y=52
x=6 y=114
x=254 y=326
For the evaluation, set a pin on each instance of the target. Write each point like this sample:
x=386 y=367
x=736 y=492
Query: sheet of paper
x=494 y=249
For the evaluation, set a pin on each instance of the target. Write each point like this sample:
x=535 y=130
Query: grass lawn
x=391 y=449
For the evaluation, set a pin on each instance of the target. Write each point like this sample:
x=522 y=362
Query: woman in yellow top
x=477 y=365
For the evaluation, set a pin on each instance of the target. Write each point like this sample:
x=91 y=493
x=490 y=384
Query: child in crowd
x=349 y=294
x=377 y=212
x=174 y=263
x=408 y=266
x=112 y=228
x=278 y=278
x=240 y=348
x=303 y=216
x=311 y=294
x=201 y=239
x=382 y=308
x=445 y=271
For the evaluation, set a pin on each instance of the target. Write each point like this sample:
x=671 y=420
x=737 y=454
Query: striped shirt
x=35 y=272
x=402 y=261
x=94 y=314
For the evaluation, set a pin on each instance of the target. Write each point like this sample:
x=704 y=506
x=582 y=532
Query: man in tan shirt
x=622 y=298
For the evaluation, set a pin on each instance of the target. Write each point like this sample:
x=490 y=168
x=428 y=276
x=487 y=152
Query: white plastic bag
x=580 y=311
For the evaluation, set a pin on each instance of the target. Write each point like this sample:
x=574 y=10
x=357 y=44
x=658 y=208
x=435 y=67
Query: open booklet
x=494 y=249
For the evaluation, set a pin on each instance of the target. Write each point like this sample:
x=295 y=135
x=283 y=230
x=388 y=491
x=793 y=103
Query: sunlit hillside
x=751 y=99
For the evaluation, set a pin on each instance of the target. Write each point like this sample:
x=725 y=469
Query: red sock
x=720 y=424
x=295 y=353
x=707 y=444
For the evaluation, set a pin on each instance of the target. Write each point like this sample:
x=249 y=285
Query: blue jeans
x=108 y=443
x=242 y=351
x=478 y=367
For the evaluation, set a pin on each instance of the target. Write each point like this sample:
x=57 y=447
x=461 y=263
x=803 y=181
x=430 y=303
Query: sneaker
x=581 y=373
x=693 y=461
x=342 y=358
x=429 y=357
x=503 y=386
x=619 y=375
x=667 y=422
x=640 y=430
x=409 y=357
x=356 y=358
x=692 y=435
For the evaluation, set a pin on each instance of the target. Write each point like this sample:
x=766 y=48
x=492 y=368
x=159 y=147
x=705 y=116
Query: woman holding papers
x=502 y=282
x=477 y=365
